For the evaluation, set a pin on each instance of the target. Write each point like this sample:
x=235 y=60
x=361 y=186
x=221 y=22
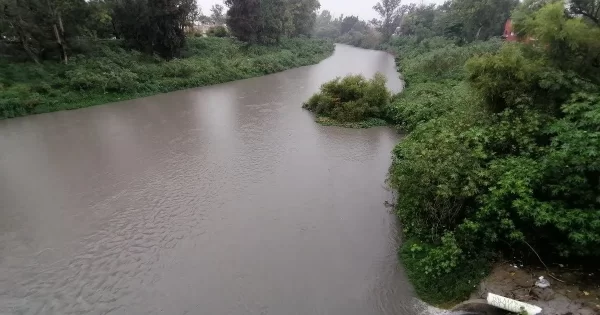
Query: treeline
x=463 y=21
x=348 y=30
x=502 y=154
x=354 y=31
x=53 y=29
x=65 y=54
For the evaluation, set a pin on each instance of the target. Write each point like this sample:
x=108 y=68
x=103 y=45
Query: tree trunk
x=59 y=32
x=60 y=43
x=60 y=24
x=114 y=27
x=478 y=32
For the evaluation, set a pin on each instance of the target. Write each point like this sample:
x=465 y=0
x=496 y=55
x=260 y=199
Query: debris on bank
x=511 y=305
x=560 y=292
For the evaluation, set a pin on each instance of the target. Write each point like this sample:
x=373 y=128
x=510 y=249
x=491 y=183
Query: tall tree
x=572 y=43
x=272 y=20
x=347 y=24
x=589 y=9
x=391 y=13
x=216 y=14
x=244 y=19
x=155 y=26
x=43 y=28
x=479 y=20
x=303 y=15
x=326 y=26
x=100 y=23
x=17 y=19
x=58 y=28
x=324 y=18
x=420 y=21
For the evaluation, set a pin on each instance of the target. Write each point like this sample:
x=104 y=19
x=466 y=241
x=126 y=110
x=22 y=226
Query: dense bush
x=433 y=71
x=502 y=154
x=218 y=31
x=440 y=60
x=111 y=73
x=441 y=274
x=512 y=78
x=351 y=99
x=423 y=102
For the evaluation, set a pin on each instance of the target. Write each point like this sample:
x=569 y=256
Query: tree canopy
x=391 y=13
x=45 y=29
x=464 y=20
x=267 y=21
x=502 y=150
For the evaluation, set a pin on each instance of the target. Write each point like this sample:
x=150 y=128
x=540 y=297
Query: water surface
x=226 y=199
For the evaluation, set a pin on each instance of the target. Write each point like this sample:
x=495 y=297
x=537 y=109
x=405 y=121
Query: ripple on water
x=220 y=200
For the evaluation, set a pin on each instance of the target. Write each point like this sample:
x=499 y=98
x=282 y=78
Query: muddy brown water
x=226 y=199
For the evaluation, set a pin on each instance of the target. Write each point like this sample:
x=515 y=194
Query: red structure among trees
x=509 y=33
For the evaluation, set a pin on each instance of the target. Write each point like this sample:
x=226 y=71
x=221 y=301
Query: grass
x=368 y=123
x=448 y=289
x=106 y=72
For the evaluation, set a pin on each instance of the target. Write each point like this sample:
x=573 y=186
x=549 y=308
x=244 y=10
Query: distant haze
x=362 y=8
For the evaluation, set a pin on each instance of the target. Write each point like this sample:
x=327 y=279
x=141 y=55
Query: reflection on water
x=226 y=199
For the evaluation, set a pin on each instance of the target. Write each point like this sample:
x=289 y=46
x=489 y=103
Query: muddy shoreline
x=571 y=291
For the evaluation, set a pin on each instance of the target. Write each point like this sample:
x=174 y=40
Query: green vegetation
x=351 y=100
x=217 y=31
x=461 y=21
x=267 y=21
x=110 y=72
x=118 y=49
x=363 y=124
x=439 y=274
x=503 y=146
x=217 y=15
x=353 y=31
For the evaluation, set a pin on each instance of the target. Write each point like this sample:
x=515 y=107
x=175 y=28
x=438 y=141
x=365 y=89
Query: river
x=226 y=199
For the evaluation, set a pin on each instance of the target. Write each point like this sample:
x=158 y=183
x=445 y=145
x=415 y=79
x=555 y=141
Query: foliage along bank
x=503 y=150
x=501 y=156
x=114 y=50
x=463 y=21
x=108 y=72
x=352 y=101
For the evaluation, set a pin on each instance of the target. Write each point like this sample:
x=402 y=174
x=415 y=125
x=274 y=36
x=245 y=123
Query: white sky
x=362 y=8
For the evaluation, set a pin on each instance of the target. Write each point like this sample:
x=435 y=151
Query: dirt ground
x=571 y=291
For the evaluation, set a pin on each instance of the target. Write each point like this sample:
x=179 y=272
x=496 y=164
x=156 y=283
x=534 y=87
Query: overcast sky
x=362 y=8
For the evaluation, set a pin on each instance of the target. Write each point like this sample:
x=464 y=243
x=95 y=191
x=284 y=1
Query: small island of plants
x=352 y=101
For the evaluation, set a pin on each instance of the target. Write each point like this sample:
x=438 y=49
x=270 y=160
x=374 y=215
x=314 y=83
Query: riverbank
x=499 y=162
x=109 y=73
x=363 y=124
x=468 y=192
x=572 y=290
